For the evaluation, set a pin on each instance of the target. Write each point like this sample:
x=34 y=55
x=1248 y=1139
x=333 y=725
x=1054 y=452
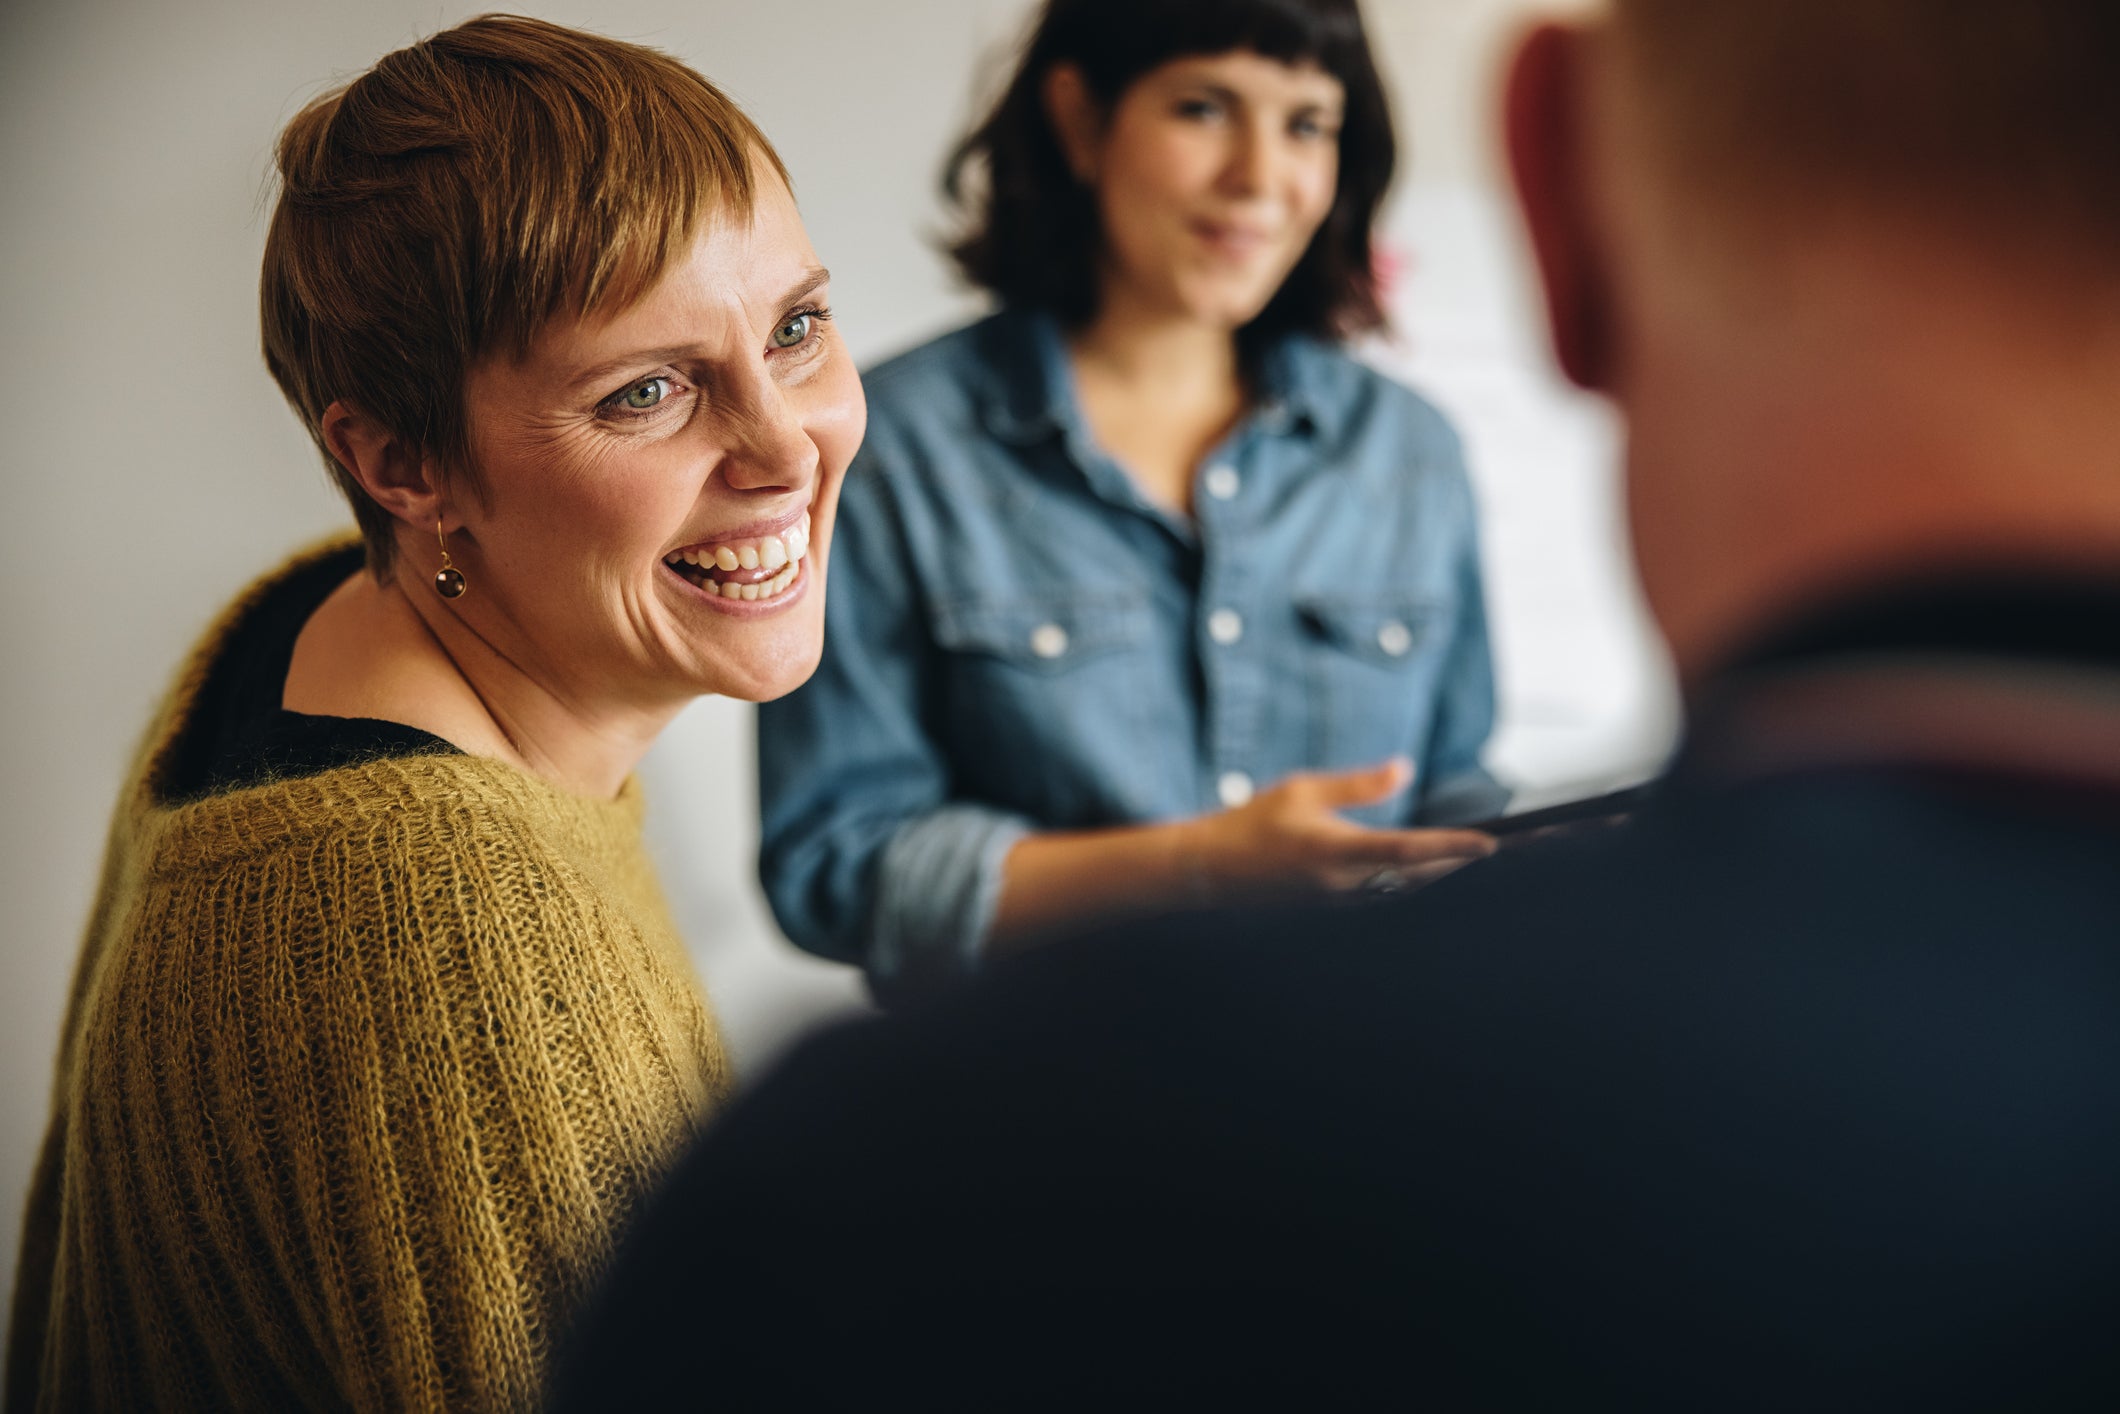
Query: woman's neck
x=1158 y=391
x=375 y=650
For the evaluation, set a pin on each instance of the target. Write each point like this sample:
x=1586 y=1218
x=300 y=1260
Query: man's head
x=1948 y=107
x=1852 y=270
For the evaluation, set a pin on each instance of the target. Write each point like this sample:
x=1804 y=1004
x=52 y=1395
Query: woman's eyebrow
x=1220 y=93
x=812 y=280
x=639 y=358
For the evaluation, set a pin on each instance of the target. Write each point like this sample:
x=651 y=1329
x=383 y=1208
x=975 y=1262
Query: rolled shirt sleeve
x=938 y=885
x=864 y=856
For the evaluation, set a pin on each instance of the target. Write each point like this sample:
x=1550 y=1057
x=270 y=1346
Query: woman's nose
x=767 y=448
x=1250 y=167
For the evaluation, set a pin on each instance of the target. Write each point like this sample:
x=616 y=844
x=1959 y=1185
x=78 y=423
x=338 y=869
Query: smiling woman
x=380 y=1031
x=1150 y=583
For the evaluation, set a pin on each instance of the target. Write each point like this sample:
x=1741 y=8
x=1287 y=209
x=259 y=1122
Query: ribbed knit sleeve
x=363 y=1090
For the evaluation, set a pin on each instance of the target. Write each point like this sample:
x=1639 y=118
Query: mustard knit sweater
x=361 y=1076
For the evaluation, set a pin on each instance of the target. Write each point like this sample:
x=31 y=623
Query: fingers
x=1391 y=878
x=1426 y=846
x=1294 y=838
x=1402 y=879
x=1354 y=846
x=1346 y=790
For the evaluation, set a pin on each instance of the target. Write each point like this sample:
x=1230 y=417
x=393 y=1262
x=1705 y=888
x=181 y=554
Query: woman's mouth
x=1231 y=240
x=752 y=570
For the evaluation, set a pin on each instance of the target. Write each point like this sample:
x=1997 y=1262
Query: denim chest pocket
x=1045 y=636
x=1374 y=665
x=1047 y=700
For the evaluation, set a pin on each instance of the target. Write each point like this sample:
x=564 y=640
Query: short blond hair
x=447 y=203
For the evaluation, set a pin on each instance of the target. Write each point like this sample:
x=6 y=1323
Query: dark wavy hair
x=1031 y=232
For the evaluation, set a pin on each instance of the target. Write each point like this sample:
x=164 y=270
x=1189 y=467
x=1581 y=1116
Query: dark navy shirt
x=1800 y=1091
x=1018 y=639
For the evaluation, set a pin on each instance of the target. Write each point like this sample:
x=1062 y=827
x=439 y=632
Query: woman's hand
x=1291 y=839
x=1288 y=840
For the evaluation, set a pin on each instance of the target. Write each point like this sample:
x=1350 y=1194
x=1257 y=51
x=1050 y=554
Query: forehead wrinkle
x=710 y=280
x=768 y=311
x=672 y=335
x=721 y=267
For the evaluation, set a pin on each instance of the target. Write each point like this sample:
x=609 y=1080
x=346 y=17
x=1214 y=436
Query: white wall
x=1587 y=701
x=151 y=468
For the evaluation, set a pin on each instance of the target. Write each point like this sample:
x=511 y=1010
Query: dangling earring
x=448 y=580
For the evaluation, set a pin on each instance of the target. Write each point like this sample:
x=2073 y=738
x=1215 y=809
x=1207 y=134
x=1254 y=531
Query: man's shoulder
x=1560 y=1095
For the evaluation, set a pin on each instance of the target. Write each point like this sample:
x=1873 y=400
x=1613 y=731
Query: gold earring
x=448 y=580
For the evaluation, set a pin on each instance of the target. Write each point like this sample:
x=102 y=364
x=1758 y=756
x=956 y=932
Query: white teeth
x=780 y=556
x=766 y=589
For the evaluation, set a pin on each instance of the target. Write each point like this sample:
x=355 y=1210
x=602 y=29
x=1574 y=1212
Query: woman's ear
x=1545 y=122
x=1077 y=120
x=396 y=477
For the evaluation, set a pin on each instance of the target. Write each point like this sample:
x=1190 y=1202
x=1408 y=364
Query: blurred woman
x=1152 y=585
x=381 y=1030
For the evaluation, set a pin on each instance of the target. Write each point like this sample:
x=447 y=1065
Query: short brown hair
x=1032 y=234
x=2009 y=106
x=447 y=203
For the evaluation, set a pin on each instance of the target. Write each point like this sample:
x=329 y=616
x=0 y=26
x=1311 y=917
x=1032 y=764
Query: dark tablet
x=1590 y=813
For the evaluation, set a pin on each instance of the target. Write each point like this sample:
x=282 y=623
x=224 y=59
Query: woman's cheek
x=840 y=417
x=1325 y=187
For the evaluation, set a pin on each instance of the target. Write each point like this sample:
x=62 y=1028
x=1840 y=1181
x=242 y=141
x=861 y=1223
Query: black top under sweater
x=241 y=736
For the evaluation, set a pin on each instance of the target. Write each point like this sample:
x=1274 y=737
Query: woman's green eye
x=788 y=335
x=642 y=396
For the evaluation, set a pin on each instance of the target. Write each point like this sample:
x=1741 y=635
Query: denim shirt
x=1017 y=639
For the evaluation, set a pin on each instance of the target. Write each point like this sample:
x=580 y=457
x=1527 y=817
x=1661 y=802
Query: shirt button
x=1223 y=483
x=1225 y=626
x=1048 y=640
x=1234 y=788
x=1395 y=638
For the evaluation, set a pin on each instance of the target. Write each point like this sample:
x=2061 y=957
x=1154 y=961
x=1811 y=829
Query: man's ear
x=1077 y=119
x=1545 y=121
x=396 y=477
